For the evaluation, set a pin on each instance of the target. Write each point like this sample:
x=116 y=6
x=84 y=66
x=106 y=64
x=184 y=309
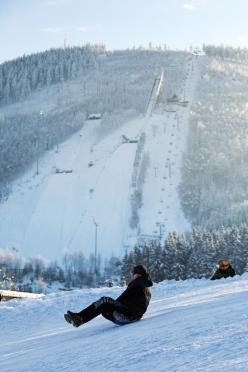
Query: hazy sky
x=34 y=25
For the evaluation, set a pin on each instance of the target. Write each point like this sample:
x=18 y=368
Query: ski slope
x=88 y=181
x=166 y=136
x=195 y=325
x=51 y=213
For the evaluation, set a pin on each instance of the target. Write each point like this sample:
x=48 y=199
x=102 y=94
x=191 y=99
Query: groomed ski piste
x=89 y=179
x=194 y=325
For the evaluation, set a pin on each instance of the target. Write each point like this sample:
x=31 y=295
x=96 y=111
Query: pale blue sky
x=28 y=26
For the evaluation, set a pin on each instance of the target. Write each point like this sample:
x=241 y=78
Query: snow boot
x=73 y=318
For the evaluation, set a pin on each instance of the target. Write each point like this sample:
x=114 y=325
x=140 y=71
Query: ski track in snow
x=195 y=325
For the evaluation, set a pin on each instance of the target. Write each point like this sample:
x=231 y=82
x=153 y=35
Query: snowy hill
x=195 y=325
x=91 y=178
x=54 y=211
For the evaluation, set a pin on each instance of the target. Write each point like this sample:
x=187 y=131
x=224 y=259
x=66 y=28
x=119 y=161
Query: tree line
x=21 y=76
x=180 y=257
x=226 y=52
x=190 y=256
x=37 y=275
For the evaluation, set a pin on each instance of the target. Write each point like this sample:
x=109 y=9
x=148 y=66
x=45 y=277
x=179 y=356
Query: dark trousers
x=110 y=309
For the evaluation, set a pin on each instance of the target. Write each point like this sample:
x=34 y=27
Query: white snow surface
x=195 y=325
x=51 y=213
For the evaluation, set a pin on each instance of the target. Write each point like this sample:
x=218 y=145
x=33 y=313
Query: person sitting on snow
x=127 y=308
x=223 y=270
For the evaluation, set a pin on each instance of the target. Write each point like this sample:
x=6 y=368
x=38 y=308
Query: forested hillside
x=26 y=74
x=214 y=183
x=45 y=97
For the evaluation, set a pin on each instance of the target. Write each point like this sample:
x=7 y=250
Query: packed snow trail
x=195 y=325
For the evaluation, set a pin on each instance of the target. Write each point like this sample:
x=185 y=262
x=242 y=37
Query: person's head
x=139 y=270
x=224 y=264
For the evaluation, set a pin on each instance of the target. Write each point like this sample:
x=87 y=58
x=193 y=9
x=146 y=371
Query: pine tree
x=156 y=260
x=169 y=256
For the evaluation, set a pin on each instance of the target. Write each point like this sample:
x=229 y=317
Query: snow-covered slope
x=166 y=135
x=195 y=325
x=52 y=212
x=90 y=179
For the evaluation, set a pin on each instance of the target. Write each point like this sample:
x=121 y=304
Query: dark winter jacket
x=137 y=296
x=223 y=273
